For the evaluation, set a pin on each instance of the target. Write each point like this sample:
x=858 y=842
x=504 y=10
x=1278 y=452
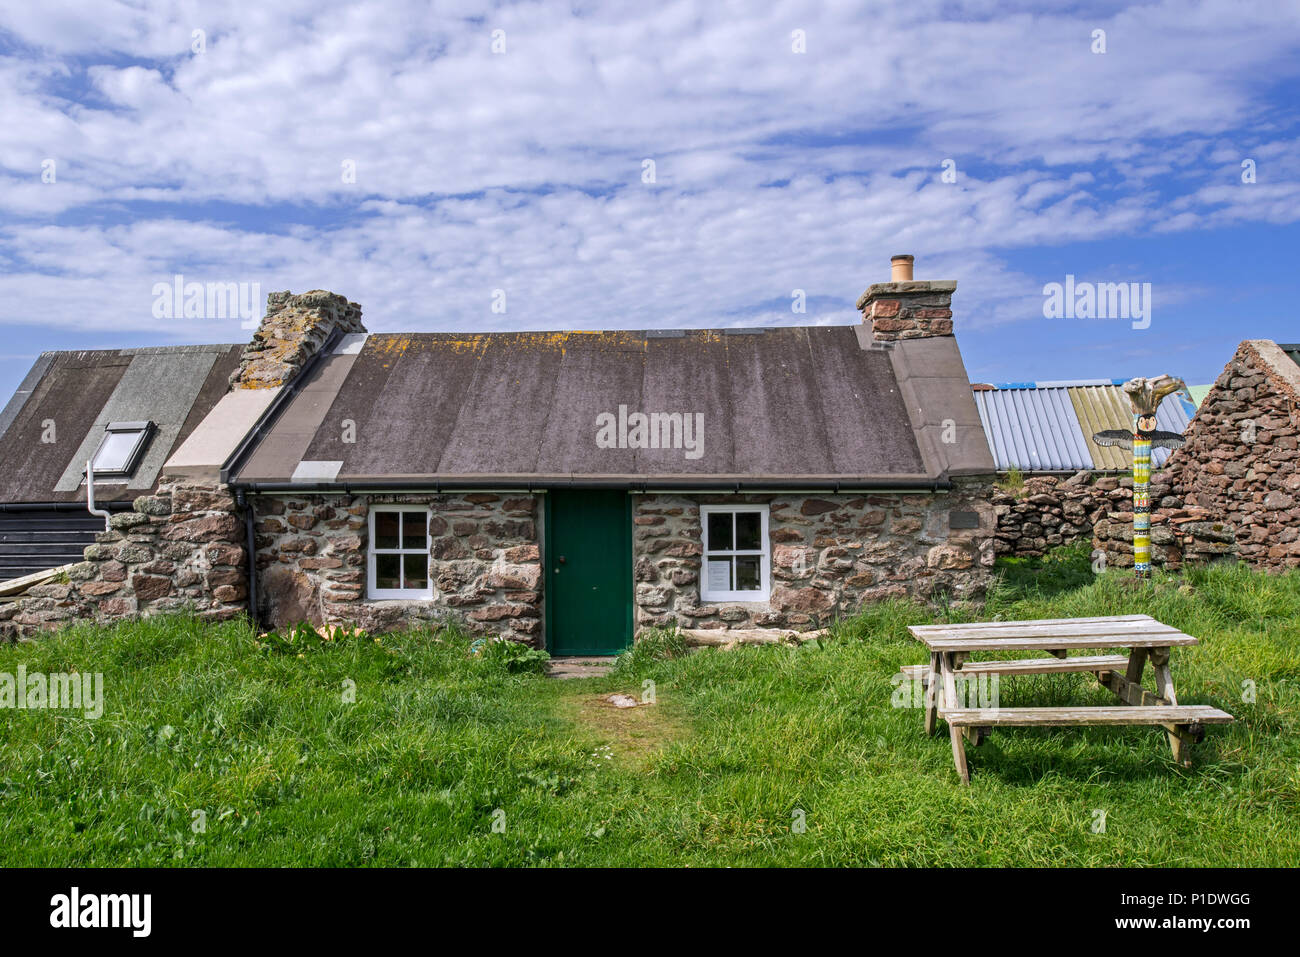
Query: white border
x=765 y=566
x=381 y=593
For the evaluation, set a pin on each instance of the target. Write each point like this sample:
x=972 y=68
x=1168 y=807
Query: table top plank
x=1132 y=633
x=1059 y=642
x=1016 y=628
x=980 y=625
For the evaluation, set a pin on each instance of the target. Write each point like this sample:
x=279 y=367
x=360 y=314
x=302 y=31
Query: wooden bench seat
x=1027 y=666
x=1036 y=717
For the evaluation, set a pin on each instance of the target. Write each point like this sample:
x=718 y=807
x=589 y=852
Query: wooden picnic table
x=1145 y=638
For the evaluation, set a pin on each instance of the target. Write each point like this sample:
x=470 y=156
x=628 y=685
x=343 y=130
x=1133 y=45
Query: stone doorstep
x=579 y=667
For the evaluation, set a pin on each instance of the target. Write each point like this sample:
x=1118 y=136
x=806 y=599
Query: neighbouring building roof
x=1048 y=426
x=796 y=404
x=57 y=418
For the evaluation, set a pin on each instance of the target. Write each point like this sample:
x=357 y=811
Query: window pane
x=114 y=451
x=749 y=531
x=748 y=573
x=415 y=569
x=719 y=531
x=386 y=530
x=718 y=575
x=388 y=571
x=413 y=535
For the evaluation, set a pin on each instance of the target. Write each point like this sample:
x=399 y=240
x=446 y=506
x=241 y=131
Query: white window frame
x=376 y=593
x=765 y=552
x=143 y=432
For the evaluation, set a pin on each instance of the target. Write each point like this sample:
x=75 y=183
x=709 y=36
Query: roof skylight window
x=121 y=447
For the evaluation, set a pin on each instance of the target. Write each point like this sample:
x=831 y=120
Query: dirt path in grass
x=634 y=734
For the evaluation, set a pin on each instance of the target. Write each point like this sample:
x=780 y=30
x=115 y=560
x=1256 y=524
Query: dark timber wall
x=32 y=541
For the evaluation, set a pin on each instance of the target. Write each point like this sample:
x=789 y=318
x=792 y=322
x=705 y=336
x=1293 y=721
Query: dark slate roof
x=80 y=392
x=799 y=403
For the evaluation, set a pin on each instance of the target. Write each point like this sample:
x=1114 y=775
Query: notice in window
x=719 y=576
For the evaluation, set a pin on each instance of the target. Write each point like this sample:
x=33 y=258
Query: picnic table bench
x=1145 y=638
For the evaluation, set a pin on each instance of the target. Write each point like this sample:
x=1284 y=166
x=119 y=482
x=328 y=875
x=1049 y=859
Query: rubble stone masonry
x=1241 y=462
x=830 y=555
x=179 y=549
x=485 y=562
x=1098 y=508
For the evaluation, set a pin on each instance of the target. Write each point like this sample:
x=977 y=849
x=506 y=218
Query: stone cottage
x=565 y=489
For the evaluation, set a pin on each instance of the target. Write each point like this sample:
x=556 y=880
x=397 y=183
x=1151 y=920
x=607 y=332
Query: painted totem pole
x=1144 y=398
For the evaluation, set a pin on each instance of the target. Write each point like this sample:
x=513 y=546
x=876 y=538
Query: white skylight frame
x=120 y=450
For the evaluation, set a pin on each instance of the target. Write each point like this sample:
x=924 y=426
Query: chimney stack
x=904 y=308
x=294 y=329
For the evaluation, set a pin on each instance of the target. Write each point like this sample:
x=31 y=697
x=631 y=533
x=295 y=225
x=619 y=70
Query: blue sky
x=521 y=169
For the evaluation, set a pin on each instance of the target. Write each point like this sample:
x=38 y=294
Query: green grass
x=738 y=745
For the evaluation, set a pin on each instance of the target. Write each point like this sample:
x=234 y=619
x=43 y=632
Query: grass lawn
x=740 y=746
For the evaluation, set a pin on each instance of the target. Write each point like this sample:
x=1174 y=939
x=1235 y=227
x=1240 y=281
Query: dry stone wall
x=1241 y=462
x=1049 y=511
x=831 y=554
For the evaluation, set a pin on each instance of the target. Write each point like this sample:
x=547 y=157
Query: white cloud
x=522 y=171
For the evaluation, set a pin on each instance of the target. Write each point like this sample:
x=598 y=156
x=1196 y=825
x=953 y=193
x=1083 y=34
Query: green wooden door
x=588 y=572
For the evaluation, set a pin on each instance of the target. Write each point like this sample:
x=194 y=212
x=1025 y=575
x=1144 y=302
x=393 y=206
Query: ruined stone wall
x=1241 y=462
x=485 y=562
x=179 y=549
x=1049 y=510
x=1098 y=508
x=831 y=554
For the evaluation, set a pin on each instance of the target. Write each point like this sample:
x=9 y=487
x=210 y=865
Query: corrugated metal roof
x=1032 y=429
x=1049 y=426
x=1292 y=349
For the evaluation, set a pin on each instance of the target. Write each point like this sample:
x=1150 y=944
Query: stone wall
x=1098 y=508
x=179 y=549
x=1241 y=462
x=485 y=562
x=831 y=554
x=1050 y=510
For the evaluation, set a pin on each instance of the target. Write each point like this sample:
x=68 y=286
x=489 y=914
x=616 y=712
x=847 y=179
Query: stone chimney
x=294 y=329
x=904 y=308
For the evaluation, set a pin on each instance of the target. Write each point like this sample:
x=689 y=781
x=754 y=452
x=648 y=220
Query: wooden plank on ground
x=1053 y=717
x=16 y=585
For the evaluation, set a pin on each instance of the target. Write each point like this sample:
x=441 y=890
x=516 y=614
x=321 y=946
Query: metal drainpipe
x=90 y=498
x=243 y=501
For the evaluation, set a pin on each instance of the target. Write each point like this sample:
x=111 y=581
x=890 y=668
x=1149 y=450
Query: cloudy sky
x=670 y=164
